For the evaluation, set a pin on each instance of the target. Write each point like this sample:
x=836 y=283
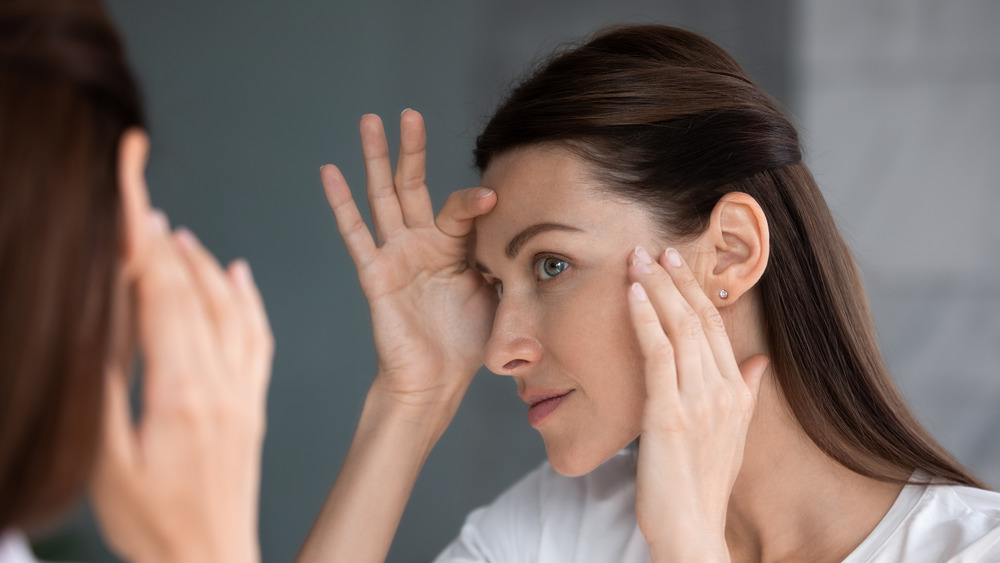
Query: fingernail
x=673 y=257
x=642 y=260
x=241 y=270
x=158 y=222
x=484 y=193
x=638 y=291
x=404 y=111
x=186 y=238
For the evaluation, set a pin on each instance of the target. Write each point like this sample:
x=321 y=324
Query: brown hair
x=668 y=119
x=66 y=97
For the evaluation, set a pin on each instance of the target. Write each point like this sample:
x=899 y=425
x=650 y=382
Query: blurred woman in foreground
x=90 y=277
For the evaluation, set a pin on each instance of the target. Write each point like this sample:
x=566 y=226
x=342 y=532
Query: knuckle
x=663 y=351
x=702 y=410
x=657 y=350
x=687 y=281
x=712 y=319
x=650 y=323
x=690 y=326
x=411 y=182
x=383 y=190
x=724 y=402
x=455 y=198
x=186 y=402
x=354 y=225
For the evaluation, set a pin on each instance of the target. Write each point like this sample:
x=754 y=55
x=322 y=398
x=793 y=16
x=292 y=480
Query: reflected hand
x=698 y=408
x=431 y=313
x=182 y=485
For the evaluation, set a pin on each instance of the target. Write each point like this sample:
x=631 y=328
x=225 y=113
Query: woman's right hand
x=431 y=312
x=431 y=316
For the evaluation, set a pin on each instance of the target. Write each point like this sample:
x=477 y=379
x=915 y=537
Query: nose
x=512 y=348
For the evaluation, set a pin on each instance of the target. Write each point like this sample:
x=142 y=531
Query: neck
x=793 y=502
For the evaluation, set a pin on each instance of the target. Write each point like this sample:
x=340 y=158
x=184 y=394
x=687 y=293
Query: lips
x=543 y=404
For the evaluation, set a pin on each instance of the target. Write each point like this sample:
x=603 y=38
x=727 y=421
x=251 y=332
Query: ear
x=133 y=151
x=737 y=244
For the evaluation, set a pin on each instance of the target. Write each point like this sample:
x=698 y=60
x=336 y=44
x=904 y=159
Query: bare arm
x=431 y=317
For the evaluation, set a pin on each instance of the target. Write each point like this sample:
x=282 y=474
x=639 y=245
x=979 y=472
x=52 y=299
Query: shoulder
x=507 y=528
x=545 y=510
x=955 y=512
x=966 y=501
x=964 y=518
x=938 y=523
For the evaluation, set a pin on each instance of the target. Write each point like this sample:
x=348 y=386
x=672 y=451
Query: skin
x=571 y=332
x=181 y=484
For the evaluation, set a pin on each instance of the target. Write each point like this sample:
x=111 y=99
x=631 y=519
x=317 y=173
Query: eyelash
x=537 y=269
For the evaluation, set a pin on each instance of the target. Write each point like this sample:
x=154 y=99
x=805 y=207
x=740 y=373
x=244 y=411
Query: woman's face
x=557 y=250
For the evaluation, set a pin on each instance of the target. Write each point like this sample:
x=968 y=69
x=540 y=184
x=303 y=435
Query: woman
x=651 y=259
x=92 y=276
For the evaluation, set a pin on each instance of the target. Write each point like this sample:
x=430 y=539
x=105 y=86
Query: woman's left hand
x=699 y=403
x=181 y=483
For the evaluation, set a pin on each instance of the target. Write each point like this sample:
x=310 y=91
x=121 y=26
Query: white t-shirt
x=549 y=518
x=14 y=548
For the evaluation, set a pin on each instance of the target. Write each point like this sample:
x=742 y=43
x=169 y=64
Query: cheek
x=598 y=347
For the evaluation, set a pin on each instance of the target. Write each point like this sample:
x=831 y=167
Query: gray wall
x=248 y=98
x=900 y=109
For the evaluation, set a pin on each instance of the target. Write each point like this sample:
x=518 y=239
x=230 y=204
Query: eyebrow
x=521 y=238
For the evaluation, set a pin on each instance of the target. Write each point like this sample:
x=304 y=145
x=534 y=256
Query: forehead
x=550 y=185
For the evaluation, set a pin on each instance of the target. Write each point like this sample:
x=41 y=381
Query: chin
x=577 y=460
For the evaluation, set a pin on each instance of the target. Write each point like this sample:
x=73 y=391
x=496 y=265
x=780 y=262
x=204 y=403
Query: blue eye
x=550 y=267
x=498 y=286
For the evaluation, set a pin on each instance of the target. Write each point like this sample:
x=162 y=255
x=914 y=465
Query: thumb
x=753 y=369
x=462 y=207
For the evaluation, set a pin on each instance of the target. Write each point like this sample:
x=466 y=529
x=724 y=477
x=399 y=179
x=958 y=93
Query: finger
x=661 y=371
x=458 y=215
x=352 y=228
x=711 y=321
x=260 y=338
x=173 y=324
x=411 y=171
x=387 y=216
x=216 y=295
x=678 y=320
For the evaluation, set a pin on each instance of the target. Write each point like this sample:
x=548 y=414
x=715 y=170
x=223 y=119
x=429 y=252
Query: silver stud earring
x=723 y=294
